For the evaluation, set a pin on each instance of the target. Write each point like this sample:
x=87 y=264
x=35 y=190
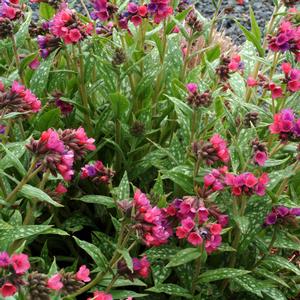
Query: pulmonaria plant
x=97 y=172
x=103 y=10
x=196 y=224
x=57 y=150
x=160 y=10
x=18 y=99
x=150 y=222
x=140 y=268
x=12 y=269
x=286 y=125
x=196 y=99
x=282 y=215
x=212 y=151
x=135 y=14
x=247 y=184
x=67 y=26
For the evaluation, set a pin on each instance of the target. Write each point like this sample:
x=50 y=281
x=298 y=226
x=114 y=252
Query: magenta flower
x=83 y=274
x=8 y=289
x=54 y=283
x=4 y=260
x=195 y=239
x=20 y=263
x=260 y=157
x=141 y=266
x=101 y=296
x=61 y=189
x=192 y=88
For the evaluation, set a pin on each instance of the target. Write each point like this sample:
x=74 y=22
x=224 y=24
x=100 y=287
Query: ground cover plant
x=145 y=155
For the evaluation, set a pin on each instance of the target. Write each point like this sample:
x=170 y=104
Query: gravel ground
x=262 y=9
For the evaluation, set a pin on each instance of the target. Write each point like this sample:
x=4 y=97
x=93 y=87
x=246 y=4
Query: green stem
x=197 y=271
x=84 y=96
x=114 y=279
x=30 y=174
x=18 y=64
x=213 y=22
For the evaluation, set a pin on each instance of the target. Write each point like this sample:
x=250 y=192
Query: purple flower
x=295 y=212
x=4 y=260
x=2 y=129
x=282 y=211
x=271 y=219
x=132 y=8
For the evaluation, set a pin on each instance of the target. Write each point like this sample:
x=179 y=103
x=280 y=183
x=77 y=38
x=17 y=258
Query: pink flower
x=74 y=35
x=8 y=289
x=260 y=157
x=188 y=224
x=2 y=88
x=192 y=87
x=142 y=10
x=136 y=20
x=132 y=8
x=250 y=180
x=83 y=274
x=276 y=91
x=195 y=239
x=4 y=260
x=181 y=232
x=286 y=68
x=141 y=266
x=101 y=296
x=60 y=189
x=52 y=141
x=251 y=82
x=20 y=263
x=54 y=283
x=203 y=214
x=34 y=64
x=235 y=62
x=84 y=140
x=215 y=229
x=212 y=244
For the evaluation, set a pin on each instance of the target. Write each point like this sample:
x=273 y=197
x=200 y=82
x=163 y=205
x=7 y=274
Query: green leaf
x=98 y=199
x=119 y=105
x=270 y=275
x=250 y=284
x=159 y=272
x=94 y=252
x=46 y=11
x=221 y=273
x=274 y=293
x=162 y=252
x=22 y=33
x=127 y=257
x=184 y=256
x=122 y=294
x=48 y=119
x=179 y=17
x=39 y=80
x=123 y=190
x=282 y=263
x=252 y=38
x=29 y=192
x=254 y=26
x=14 y=160
x=242 y=222
x=171 y=289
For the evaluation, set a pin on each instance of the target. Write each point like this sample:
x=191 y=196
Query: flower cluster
x=160 y=9
x=65 y=107
x=286 y=125
x=281 y=215
x=196 y=99
x=12 y=268
x=48 y=43
x=10 y=9
x=66 y=25
x=214 y=181
x=260 y=154
x=196 y=223
x=58 y=149
x=151 y=223
x=286 y=39
x=228 y=65
x=140 y=267
x=247 y=184
x=97 y=172
x=212 y=151
x=18 y=99
x=134 y=13
x=292 y=77
x=103 y=10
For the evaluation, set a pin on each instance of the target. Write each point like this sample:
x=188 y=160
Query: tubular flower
x=66 y=25
x=19 y=99
x=281 y=215
x=97 y=172
x=160 y=9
